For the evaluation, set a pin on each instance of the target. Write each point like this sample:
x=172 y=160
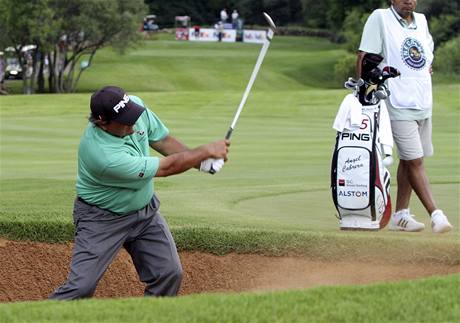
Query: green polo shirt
x=117 y=173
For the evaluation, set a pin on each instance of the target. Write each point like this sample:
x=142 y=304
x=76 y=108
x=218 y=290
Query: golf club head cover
x=389 y=72
x=373 y=90
x=211 y=165
x=369 y=63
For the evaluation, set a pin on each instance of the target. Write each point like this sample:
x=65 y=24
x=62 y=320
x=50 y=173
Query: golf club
x=263 y=51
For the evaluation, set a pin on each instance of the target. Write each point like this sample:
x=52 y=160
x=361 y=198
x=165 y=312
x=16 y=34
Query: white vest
x=409 y=51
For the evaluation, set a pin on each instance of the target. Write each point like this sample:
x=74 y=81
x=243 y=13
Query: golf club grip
x=229 y=133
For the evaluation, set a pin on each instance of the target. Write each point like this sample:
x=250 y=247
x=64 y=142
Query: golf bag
x=360 y=182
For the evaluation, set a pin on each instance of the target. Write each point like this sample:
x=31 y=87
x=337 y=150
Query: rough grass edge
x=432 y=299
x=319 y=245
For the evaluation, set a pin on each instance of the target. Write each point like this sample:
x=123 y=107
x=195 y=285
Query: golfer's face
x=404 y=7
x=118 y=129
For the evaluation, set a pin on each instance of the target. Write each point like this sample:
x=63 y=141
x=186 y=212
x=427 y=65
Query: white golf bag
x=359 y=181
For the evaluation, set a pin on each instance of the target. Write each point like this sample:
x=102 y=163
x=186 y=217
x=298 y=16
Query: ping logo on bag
x=355 y=136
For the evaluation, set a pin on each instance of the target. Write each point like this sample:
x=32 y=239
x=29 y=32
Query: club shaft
x=260 y=59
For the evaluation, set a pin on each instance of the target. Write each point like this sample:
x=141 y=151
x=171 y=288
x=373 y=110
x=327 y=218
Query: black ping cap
x=111 y=103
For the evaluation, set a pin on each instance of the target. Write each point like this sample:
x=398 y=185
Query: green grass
x=272 y=197
x=277 y=177
x=169 y=65
x=291 y=63
x=428 y=300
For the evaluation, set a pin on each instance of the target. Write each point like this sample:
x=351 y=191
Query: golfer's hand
x=211 y=165
x=218 y=151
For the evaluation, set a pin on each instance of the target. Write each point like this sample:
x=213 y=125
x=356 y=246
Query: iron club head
x=270 y=21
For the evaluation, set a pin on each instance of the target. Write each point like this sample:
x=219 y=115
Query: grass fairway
x=277 y=177
x=271 y=197
x=430 y=300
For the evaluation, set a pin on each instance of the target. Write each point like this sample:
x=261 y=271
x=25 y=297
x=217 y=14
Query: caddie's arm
x=181 y=161
x=359 y=63
x=371 y=39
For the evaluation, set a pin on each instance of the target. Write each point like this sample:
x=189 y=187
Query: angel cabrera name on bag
x=352 y=163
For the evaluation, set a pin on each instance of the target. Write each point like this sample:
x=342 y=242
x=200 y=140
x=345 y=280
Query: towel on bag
x=349 y=114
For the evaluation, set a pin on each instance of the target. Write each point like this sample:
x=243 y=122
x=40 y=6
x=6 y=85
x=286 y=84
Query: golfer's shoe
x=439 y=222
x=404 y=221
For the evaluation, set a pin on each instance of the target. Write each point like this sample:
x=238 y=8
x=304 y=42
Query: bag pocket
x=353 y=178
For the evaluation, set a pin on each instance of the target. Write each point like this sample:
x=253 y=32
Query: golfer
x=116 y=206
x=402 y=37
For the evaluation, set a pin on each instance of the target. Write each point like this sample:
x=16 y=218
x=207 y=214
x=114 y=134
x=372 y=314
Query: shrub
x=447 y=58
x=353 y=28
x=444 y=28
x=345 y=68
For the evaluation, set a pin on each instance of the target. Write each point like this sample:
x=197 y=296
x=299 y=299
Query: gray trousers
x=100 y=234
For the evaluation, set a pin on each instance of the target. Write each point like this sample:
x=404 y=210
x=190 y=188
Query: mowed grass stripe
x=282 y=145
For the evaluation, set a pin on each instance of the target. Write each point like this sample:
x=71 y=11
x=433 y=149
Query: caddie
x=402 y=37
x=116 y=205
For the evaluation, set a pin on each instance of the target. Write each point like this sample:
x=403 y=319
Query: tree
x=21 y=25
x=315 y=13
x=445 y=27
x=87 y=26
x=443 y=17
x=338 y=10
x=65 y=32
x=352 y=28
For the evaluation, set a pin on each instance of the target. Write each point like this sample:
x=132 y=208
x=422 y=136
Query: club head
x=381 y=94
x=353 y=84
x=270 y=21
x=390 y=72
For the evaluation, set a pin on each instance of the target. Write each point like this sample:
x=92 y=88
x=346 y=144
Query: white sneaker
x=439 y=222
x=404 y=221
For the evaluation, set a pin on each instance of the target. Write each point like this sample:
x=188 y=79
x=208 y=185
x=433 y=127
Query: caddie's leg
x=420 y=184
x=98 y=238
x=413 y=140
x=155 y=255
x=404 y=187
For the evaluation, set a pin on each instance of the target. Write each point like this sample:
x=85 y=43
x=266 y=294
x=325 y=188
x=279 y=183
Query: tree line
x=67 y=34
x=332 y=15
x=338 y=20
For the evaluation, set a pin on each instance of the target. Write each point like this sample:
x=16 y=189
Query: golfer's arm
x=168 y=146
x=181 y=161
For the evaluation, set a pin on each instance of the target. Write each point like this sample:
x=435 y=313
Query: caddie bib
x=409 y=51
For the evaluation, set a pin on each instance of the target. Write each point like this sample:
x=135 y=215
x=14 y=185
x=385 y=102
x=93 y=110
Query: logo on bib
x=412 y=53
